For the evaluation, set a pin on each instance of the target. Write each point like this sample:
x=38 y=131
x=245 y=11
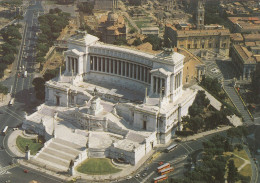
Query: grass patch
x=97 y=166
x=33 y=145
x=246 y=171
x=142 y=23
x=241 y=153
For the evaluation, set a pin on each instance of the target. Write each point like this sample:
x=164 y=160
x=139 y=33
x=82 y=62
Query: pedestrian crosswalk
x=4 y=170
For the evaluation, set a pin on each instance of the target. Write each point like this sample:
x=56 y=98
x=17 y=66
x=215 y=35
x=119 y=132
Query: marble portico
x=109 y=89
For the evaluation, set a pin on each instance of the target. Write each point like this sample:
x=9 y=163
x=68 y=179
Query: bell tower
x=200 y=14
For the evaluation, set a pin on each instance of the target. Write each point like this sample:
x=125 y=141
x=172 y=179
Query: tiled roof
x=244 y=54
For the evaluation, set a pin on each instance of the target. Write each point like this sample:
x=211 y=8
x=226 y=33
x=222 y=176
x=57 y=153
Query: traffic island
x=97 y=166
x=33 y=145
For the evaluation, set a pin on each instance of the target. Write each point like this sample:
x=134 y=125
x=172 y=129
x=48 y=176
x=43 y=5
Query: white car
x=137 y=175
x=129 y=177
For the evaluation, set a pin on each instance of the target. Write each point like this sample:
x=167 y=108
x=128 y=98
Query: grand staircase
x=237 y=101
x=57 y=155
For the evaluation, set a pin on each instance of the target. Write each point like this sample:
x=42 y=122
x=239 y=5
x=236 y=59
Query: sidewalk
x=202 y=134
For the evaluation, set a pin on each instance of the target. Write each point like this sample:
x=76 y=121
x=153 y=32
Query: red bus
x=164 y=166
x=167 y=170
x=159 y=179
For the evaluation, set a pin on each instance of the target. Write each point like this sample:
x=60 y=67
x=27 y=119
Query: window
x=224 y=45
x=202 y=46
x=195 y=46
x=144 y=125
x=188 y=46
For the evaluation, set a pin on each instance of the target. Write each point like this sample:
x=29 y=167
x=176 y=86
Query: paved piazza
x=111 y=101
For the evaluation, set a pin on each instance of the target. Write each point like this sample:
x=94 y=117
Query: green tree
x=3 y=89
x=8 y=48
x=137 y=41
x=19 y=17
x=8 y=59
x=233 y=174
x=155 y=41
x=120 y=41
x=195 y=123
x=134 y=2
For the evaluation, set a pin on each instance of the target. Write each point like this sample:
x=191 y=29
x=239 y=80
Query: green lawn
x=242 y=154
x=142 y=23
x=97 y=166
x=33 y=145
x=246 y=171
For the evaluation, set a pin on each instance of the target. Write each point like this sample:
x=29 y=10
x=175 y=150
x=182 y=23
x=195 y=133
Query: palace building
x=202 y=40
x=112 y=100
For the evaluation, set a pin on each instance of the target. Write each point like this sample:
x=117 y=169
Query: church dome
x=112 y=17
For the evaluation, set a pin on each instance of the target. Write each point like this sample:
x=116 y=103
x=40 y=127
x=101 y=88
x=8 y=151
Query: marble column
x=114 y=66
x=102 y=64
x=67 y=64
x=133 y=71
x=117 y=66
x=145 y=74
x=180 y=78
x=74 y=60
x=125 y=69
x=110 y=65
x=129 y=70
x=148 y=76
x=151 y=86
x=160 y=79
x=141 y=73
x=156 y=85
x=70 y=62
x=175 y=83
x=244 y=74
x=105 y=64
x=122 y=68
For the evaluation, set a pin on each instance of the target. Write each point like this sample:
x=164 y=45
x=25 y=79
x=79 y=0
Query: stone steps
x=66 y=143
x=50 y=165
x=57 y=155
x=237 y=101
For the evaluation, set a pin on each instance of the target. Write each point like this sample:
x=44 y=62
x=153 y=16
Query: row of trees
x=214 y=87
x=11 y=3
x=154 y=40
x=11 y=37
x=215 y=164
x=51 y=25
x=202 y=116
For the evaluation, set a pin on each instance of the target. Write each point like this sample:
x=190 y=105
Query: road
x=21 y=89
x=179 y=158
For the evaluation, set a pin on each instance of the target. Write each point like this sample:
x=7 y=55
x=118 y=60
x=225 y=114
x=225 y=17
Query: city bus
x=5 y=130
x=171 y=147
x=161 y=178
x=167 y=170
x=162 y=167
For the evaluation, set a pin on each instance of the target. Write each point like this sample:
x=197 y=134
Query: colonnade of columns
x=119 y=67
x=115 y=4
x=178 y=80
x=158 y=85
x=72 y=64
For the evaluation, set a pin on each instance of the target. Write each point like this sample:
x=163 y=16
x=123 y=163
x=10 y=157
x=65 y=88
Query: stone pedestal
x=28 y=155
x=71 y=171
